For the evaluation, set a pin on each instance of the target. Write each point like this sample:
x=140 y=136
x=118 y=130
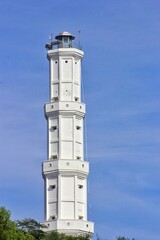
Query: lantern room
x=65 y=40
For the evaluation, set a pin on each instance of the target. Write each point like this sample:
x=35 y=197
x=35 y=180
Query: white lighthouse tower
x=65 y=171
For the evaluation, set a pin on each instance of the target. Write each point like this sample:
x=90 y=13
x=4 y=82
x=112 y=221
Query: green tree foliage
x=8 y=228
x=60 y=236
x=31 y=226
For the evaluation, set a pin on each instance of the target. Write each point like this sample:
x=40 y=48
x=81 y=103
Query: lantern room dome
x=65 y=34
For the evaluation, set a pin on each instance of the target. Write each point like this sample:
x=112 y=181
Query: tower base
x=70 y=227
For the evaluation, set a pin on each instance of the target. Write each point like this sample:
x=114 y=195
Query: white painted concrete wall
x=65 y=172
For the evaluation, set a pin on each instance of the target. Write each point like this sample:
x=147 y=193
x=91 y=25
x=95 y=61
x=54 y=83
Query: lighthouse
x=65 y=171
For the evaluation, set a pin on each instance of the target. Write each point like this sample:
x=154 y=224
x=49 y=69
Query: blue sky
x=121 y=78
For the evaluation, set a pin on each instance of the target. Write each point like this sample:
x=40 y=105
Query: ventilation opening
x=53 y=128
x=66 y=61
x=78 y=127
x=54 y=157
x=53 y=217
x=78 y=157
x=55 y=99
x=80 y=186
x=76 y=99
x=80 y=217
x=53 y=186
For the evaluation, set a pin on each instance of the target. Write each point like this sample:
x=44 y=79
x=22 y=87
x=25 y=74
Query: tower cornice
x=50 y=167
x=74 y=52
x=65 y=108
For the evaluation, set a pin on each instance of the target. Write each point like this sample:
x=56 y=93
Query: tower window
x=80 y=217
x=53 y=186
x=78 y=127
x=75 y=62
x=76 y=99
x=78 y=157
x=53 y=128
x=54 y=157
x=53 y=217
x=55 y=99
x=66 y=61
x=80 y=186
x=56 y=62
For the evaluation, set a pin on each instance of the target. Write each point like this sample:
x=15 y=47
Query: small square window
x=76 y=99
x=53 y=128
x=55 y=99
